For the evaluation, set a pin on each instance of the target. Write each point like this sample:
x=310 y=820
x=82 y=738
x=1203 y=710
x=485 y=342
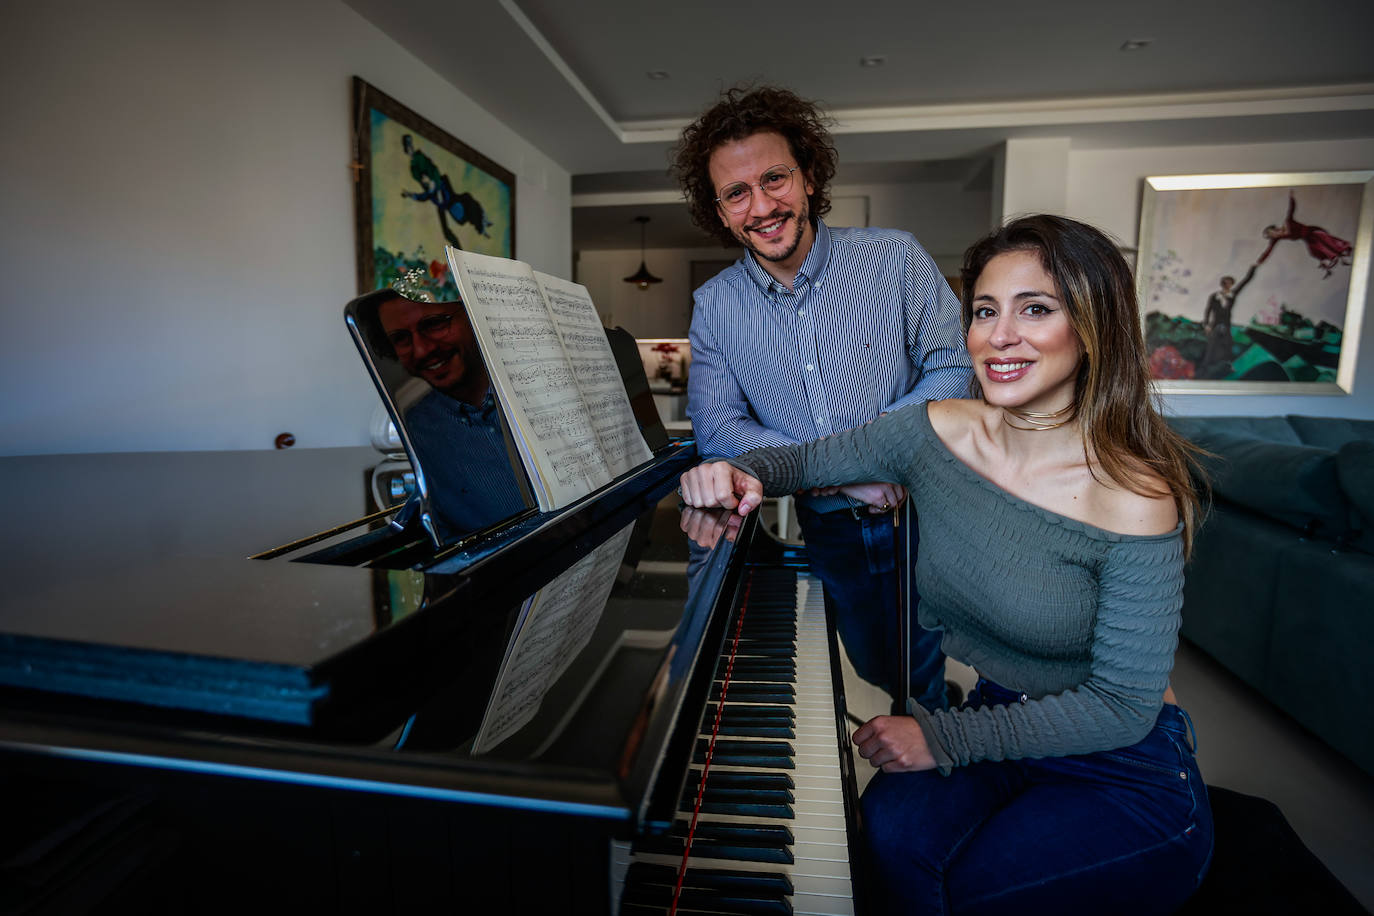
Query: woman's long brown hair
x=1115 y=404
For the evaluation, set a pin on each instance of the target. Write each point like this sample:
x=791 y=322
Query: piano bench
x=1260 y=865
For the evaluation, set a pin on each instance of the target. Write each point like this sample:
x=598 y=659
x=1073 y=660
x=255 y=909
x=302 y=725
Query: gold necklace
x=1038 y=421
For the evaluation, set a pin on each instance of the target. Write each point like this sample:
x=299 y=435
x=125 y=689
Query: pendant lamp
x=642 y=278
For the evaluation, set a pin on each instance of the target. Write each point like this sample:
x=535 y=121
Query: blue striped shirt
x=869 y=326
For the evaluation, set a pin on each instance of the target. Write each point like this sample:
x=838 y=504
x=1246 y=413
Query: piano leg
x=771 y=833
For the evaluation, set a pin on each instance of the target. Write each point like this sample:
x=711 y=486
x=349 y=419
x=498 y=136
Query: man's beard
x=745 y=237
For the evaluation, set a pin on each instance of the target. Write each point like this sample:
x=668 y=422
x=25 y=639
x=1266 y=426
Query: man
x=456 y=427
x=815 y=330
x=1216 y=324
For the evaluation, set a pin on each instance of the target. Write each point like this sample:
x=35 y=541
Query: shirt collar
x=811 y=270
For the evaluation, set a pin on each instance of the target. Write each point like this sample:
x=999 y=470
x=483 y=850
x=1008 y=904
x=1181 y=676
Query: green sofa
x=1280 y=588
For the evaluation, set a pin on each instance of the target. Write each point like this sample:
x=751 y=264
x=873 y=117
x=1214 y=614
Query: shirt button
x=810 y=368
x=801 y=313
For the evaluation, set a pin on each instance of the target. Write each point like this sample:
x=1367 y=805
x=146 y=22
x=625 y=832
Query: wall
x=1105 y=188
x=945 y=217
x=662 y=310
x=177 y=244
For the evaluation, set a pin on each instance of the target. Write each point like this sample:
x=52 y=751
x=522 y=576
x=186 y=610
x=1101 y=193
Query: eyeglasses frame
x=759 y=185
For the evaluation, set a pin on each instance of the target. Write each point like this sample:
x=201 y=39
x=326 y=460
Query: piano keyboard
x=771 y=835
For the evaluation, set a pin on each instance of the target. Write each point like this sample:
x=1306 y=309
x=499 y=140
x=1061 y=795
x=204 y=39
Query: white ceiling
x=573 y=79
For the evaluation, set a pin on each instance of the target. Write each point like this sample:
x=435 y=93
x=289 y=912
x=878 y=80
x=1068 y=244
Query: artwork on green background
x=1254 y=283
x=417 y=189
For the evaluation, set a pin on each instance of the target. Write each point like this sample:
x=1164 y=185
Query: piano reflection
x=411 y=709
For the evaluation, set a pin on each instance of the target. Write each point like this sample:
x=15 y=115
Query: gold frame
x=1154 y=237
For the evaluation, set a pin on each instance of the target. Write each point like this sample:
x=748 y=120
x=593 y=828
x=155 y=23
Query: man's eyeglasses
x=776 y=182
x=431 y=326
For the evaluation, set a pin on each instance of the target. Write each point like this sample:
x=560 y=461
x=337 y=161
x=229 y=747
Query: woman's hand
x=720 y=483
x=894 y=744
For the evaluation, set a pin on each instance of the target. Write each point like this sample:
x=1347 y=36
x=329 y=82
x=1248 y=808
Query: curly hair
x=741 y=113
x=1122 y=425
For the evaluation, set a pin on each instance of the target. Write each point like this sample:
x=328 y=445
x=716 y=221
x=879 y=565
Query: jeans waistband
x=989 y=693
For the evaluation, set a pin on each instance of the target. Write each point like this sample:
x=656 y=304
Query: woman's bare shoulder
x=952 y=417
x=1116 y=508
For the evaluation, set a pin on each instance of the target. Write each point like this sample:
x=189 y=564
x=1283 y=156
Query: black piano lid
x=126 y=570
x=130 y=571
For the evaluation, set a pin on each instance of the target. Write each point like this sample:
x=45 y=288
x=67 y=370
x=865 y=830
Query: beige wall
x=177 y=241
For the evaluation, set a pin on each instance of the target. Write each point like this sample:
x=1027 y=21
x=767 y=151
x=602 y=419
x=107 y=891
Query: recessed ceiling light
x=873 y=60
x=1135 y=44
x=657 y=74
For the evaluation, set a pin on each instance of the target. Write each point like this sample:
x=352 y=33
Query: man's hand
x=894 y=744
x=880 y=497
x=721 y=484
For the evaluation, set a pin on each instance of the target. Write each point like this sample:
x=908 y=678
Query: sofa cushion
x=1296 y=484
x=1330 y=432
x=1275 y=429
x=1355 y=470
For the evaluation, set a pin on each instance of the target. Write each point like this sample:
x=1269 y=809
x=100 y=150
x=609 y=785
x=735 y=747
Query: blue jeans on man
x=855 y=559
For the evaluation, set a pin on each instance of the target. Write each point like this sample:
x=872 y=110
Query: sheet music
x=525 y=358
x=594 y=368
x=554 y=627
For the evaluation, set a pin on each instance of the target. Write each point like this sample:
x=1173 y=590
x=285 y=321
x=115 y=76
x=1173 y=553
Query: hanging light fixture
x=642 y=278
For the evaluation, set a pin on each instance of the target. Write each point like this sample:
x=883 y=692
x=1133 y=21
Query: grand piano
x=256 y=679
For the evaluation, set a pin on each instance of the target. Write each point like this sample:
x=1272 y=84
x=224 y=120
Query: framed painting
x=417 y=189
x=1254 y=284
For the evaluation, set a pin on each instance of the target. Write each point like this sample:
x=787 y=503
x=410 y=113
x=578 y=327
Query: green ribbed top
x=1082 y=620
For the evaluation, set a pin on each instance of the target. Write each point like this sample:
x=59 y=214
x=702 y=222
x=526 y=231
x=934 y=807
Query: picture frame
x=416 y=189
x=1254 y=283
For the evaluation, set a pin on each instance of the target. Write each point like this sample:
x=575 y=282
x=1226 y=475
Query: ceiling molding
x=562 y=67
x=1046 y=112
x=627 y=198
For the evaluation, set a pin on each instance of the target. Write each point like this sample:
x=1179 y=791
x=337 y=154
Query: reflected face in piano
x=434 y=341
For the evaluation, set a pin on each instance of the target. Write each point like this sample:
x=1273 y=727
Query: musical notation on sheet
x=533 y=378
x=550 y=361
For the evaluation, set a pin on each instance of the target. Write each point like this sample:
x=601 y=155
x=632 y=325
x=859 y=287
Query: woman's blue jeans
x=1121 y=831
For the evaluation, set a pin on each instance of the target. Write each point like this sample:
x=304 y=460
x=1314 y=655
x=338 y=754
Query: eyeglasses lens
x=430 y=326
x=775 y=182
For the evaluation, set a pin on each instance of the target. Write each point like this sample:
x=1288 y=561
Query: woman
x=1055 y=513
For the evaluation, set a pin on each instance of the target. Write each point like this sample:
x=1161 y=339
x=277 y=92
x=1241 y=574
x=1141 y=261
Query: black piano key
x=761 y=730
x=758 y=647
x=779 y=729
x=786 y=674
x=739 y=804
x=737 y=842
x=748 y=710
x=756 y=693
x=742 y=842
x=751 y=882
x=738 y=753
x=765 y=663
x=733 y=780
x=739 y=723
x=655 y=899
